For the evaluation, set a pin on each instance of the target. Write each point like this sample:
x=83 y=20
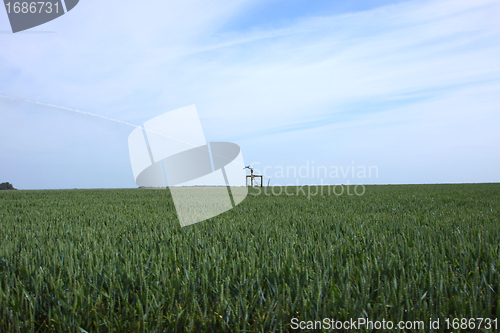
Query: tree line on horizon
x=6 y=186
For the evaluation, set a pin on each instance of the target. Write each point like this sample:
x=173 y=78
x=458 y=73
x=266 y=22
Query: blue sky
x=410 y=87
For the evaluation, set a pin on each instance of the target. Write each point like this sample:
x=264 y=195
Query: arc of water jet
x=109 y=119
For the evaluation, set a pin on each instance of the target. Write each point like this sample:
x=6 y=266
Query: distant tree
x=6 y=186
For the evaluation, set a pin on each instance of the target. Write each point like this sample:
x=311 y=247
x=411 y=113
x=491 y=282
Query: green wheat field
x=118 y=260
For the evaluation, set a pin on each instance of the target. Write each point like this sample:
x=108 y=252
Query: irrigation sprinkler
x=253 y=178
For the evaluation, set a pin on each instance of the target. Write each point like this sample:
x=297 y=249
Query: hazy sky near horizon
x=409 y=87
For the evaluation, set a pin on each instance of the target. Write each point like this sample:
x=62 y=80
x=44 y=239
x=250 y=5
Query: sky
x=405 y=89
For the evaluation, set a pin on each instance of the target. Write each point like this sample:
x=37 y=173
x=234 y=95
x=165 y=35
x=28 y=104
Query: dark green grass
x=117 y=260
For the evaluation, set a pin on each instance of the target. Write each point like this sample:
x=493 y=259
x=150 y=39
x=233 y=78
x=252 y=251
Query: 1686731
x=471 y=323
x=32 y=7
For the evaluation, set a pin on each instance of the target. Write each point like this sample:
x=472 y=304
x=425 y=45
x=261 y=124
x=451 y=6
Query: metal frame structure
x=253 y=178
